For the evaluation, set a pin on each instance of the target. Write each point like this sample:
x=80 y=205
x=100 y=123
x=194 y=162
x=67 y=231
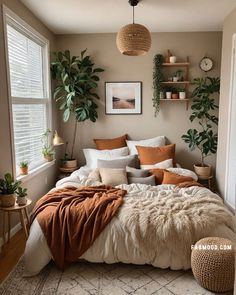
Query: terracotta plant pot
x=70 y=164
x=23 y=170
x=21 y=201
x=202 y=171
x=7 y=200
x=175 y=96
x=49 y=158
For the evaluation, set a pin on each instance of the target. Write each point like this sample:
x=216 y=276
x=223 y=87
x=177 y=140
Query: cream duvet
x=155 y=225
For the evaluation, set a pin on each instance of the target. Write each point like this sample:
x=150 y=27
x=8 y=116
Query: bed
x=156 y=225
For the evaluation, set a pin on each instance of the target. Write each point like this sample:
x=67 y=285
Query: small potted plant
x=168 y=91
x=8 y=187
x=205 y=140
x=47 y=151
x=24 y=165
x=175 y=93
x=182 y=93
x=21 y=196
x=178 y=76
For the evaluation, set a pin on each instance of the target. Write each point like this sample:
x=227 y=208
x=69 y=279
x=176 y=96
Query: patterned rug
x=102 y=279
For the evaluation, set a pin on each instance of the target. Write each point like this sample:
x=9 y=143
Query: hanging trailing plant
x=157 y=80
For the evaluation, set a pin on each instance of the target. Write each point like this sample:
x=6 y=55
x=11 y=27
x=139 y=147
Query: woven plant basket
x=214 y=268
x=7 y=200
x=133 y=40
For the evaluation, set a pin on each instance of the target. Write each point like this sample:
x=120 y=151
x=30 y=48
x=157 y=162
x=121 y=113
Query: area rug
x=102 y=279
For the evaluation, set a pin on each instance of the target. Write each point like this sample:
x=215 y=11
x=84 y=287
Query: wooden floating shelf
x=177 y=64
x=174 y=99
x=172 y=82
x=177 y=99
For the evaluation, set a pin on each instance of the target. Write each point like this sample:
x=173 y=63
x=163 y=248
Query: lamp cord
x=133 y=14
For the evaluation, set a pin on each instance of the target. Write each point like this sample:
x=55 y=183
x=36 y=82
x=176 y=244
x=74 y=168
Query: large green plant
x=157 y=80
x=76 y=78
x=205 y=140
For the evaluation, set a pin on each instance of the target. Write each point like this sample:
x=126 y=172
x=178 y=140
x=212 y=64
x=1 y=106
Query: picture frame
x=123 y=98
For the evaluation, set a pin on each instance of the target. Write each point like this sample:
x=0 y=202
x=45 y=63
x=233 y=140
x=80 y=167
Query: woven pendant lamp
x=133 y=39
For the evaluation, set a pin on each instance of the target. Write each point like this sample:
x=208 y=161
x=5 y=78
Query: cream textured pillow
x=113 y=177
x=162 y=165
x=152 y=142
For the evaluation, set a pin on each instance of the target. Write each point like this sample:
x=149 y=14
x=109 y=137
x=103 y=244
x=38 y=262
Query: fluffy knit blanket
x=173 y=219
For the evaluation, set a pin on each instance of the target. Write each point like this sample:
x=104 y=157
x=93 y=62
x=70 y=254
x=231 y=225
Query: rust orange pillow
x=110 y=144
x=172 y=178
x=153 y=155
x=158 y=173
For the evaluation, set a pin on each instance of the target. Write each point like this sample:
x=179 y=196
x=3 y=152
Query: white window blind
x=27 y=60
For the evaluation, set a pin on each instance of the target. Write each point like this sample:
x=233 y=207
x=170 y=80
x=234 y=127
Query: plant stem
x=73 y=144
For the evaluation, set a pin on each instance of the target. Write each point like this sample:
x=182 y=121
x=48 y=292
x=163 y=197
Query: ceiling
x=105 y=16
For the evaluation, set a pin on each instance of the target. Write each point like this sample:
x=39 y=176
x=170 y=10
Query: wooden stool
x=22 y=210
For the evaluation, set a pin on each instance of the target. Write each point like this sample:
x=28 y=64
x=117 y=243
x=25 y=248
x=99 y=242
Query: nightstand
x=66 y=172
x=21 y=210
x=207 y=182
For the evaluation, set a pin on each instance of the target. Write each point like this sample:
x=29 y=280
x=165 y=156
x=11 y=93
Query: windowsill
x=32 y=173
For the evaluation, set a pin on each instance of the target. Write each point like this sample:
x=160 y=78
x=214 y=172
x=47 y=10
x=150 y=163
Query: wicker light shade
x=133 y=40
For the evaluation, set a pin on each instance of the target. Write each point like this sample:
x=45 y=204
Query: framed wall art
x=123 y=98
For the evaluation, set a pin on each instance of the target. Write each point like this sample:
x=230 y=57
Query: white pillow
x=152 y=142
x=183 y=172
x=162 y=165
x=92 y=155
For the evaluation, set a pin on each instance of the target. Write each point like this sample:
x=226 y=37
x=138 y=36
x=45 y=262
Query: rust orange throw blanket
x=72 y=218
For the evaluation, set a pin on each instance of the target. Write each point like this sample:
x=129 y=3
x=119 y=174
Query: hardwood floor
x=11 y=254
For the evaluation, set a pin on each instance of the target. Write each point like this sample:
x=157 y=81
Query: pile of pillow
x=116 y=161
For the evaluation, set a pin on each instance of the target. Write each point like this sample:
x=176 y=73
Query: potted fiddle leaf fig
x=77 y=79
x=203 y=106
x=8 y=187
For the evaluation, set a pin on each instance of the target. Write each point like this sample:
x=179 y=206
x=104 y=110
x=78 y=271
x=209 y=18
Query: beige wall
x=173 y=119
x=41 y=183
x=228 y=31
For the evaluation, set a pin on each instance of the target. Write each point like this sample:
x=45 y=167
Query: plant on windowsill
x=47 y=150
x=8 y=187
x=205 y=140
x=21 y=196
x=76 y=79
x=24 y=166
x=157 y=81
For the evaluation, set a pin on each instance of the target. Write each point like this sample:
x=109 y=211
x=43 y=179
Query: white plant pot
x=173 y=59
x=21 y=201
x=175 y=79
x=168 y=95
x=182 y=95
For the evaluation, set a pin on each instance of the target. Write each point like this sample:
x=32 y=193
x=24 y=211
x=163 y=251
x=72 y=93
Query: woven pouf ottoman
x=212 y=262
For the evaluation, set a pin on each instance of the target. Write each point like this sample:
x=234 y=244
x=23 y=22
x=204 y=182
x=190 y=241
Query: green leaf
x=98 y=70
x=66 y=115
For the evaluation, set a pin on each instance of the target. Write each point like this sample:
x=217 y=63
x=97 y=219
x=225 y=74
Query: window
x=28 y=68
